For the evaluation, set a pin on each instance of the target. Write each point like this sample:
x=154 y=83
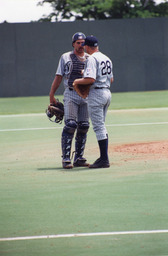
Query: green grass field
x=39 y=198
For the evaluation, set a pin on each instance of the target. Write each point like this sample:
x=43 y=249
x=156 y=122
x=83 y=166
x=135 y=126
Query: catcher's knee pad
x=70 y=126
x=83 y=127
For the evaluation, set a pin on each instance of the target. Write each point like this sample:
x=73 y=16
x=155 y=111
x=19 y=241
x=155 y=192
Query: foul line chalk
x=110 y=111
x=84 y=235
x=60 y=127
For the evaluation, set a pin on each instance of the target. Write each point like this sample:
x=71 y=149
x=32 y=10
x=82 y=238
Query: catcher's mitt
x=82 y=89
x=56 y=110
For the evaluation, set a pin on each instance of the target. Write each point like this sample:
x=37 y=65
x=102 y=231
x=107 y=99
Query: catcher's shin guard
x=66 y=143
x=80 y=141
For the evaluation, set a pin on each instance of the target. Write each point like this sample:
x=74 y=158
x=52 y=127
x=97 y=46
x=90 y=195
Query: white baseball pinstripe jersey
x=99 y=67
x=70 y=67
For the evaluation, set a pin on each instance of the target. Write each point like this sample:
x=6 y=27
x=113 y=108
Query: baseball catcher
x=56 y=110
x=82 y=89
x=76 y=118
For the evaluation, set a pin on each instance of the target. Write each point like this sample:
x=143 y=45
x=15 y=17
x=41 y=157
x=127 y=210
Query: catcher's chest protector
x=77 y=67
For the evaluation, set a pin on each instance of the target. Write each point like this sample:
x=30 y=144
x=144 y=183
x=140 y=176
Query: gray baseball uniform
x=99 y=67
x=70 y=67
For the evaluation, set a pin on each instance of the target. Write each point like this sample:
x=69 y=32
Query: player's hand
x=74 y=83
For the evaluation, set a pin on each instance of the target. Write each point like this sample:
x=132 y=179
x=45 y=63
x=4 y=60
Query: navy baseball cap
x=91 y=41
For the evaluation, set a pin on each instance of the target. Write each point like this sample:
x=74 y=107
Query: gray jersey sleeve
x=90 y=68
x=64 y=65
x=60 y=68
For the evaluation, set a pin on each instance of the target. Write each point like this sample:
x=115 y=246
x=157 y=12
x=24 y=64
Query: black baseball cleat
x=66 y=164
x=99 y=163
x=80 y=162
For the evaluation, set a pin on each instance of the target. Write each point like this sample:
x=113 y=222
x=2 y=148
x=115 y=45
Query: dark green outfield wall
x=29 y=53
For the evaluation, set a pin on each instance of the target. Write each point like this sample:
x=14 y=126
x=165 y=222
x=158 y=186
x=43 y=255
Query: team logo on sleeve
x=67 y=68
x=88 y=70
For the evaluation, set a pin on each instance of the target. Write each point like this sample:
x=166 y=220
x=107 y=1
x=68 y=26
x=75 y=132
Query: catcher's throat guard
x=55 y=112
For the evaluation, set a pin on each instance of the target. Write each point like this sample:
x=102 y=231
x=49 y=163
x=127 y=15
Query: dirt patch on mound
x=147 y=150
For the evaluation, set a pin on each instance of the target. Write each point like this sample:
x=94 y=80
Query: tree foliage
x=104 y=9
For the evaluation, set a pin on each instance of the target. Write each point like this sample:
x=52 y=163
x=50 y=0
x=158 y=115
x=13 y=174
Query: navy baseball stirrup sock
x=103 y=146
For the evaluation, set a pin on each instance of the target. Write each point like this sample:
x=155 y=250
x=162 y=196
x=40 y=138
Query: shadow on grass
x=76 y=169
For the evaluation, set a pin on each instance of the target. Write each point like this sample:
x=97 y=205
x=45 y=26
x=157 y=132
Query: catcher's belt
x=101 y=88
x=71 y=89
